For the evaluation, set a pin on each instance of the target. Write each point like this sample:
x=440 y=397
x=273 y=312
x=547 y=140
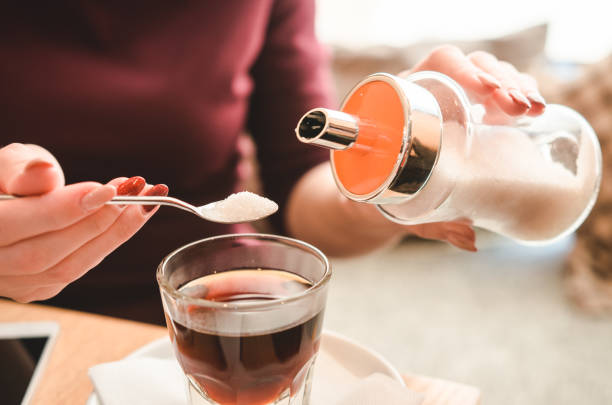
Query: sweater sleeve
x=291 y=76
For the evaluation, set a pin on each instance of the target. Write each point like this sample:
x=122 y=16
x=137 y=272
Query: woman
x=95 y=91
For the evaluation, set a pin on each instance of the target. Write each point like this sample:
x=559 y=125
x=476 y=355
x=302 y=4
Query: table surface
x=86 y=339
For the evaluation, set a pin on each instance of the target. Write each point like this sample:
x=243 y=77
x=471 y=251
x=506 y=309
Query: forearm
x=319 y=214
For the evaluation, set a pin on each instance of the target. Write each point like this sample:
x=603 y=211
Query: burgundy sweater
x=162 y=90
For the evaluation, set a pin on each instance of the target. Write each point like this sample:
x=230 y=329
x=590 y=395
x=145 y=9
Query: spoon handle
x=135 y=200
x=151 y=200
x=141 y=200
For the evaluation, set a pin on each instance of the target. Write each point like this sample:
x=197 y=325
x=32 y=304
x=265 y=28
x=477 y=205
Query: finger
x=509 y=97
x=520 y=83
x=529 y=88
x=117 y=182
x=25 y=288
x=458 y=233
x=157 y=190
x=26 y=293
x=462 y=243
x=28 y=170
x=451 y=61
x=94 y=251
x=41 y=252
x=461 y=234
x=26 y=217
x=30 y=216
x=464 y=239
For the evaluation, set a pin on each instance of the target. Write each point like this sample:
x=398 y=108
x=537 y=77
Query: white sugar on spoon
x=239 y=207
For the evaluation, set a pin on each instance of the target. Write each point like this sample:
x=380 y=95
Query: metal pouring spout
x=328 y=128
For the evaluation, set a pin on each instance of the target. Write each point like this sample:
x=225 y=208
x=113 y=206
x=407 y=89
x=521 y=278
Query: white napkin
x=136 y=381
x=154 y=381
x=333 y=383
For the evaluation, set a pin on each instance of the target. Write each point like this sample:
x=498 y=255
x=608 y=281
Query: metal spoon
x=214 y=211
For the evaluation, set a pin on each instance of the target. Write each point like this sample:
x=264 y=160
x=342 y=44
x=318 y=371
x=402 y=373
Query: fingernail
x=488 y=80
x=462 y=242
x=536 y=98
x=132 y=186
x=156 y=190
x=519 y=98
x=97 y=197
x=37 y=164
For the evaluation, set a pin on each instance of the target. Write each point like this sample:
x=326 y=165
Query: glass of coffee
x=244 y=314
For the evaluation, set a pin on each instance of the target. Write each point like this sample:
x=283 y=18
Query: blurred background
x=549 y=39
x=577 y=32
x=527 y=325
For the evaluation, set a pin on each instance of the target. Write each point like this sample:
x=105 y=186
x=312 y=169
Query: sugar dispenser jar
x=419 y=149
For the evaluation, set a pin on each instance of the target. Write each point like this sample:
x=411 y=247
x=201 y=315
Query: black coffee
x=248 y=369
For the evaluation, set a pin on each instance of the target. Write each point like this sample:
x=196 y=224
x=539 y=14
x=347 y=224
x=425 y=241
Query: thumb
x=27 y=169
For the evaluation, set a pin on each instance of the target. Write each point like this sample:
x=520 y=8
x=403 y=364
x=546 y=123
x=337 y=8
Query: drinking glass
x=244 y=314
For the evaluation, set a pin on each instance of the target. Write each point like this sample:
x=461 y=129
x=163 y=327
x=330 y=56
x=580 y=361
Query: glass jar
x=420 y=150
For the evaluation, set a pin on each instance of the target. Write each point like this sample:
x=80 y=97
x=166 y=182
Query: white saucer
x=356 y=360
